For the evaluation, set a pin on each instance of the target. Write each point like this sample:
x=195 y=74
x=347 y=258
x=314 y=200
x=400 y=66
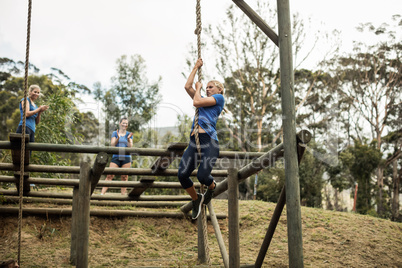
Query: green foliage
x=131 y=95
x=311 y=172
x=361 y=161
x=62 y=123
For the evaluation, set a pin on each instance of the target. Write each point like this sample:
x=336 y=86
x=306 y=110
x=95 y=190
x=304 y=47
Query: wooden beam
x=163 y=162
x=83 y=215
x=293 y=209
x=254 y=17
x=98 y=168
x=233 y=210
x=218 y=235
x=104 y=197
x=67 y=148
x=15 y=141
x=75 y=182
x=56 y=201
x=115 y=171
x=146 y=182
x=99 y=213
x=26 y=187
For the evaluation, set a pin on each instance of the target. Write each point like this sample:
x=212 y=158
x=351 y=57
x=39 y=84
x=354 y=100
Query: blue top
x=31 y=120
x=209 y=115
x=121 y=143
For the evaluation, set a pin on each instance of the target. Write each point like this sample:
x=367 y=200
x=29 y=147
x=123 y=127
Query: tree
x=362 y=160
x=131 y=95
x=61 y=123
x=369 y=83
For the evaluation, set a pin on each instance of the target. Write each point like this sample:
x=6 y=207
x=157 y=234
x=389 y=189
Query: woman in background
x=33 y=112
x=120 y=138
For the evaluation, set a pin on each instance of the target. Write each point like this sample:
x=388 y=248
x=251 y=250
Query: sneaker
x=208 y=195
x=197 y=206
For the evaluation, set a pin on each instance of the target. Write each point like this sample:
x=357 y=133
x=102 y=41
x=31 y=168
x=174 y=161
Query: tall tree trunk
x=396 y=181
x=380 y=184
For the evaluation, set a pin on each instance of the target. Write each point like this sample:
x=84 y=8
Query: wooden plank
x=98 y=168
x=254 y=17
x=163 y=162
x=233 y=210
x=26 y=188
x=99 y=213
x=84 y=194
x=118 y=197
x=146 y=182
x=218 y=235
x=293 y=209
x=15 y=140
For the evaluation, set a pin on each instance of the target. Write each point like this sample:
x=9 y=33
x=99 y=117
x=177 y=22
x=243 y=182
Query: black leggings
x=190 y=161
x=27 y=131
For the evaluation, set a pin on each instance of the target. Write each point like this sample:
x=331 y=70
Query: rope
x=21 y=186
x=198 y=33
x=196 y=126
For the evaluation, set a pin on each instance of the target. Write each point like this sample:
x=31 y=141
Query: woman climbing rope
x=209 y=109
x=33 y=112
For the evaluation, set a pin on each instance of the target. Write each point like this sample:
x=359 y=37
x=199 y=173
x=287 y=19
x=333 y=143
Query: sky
x=84 y=38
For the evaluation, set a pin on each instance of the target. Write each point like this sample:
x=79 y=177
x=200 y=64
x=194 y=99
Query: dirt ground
x=330 y=239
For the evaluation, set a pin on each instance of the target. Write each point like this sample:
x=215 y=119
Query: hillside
x=330 y=239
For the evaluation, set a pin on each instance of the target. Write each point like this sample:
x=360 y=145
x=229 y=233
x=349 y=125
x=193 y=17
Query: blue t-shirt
x=31 y=120
x=209 y=115
x=122 y=142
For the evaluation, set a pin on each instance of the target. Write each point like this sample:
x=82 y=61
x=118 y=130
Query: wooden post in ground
x=218 y=235
x=74 y=226
x=83 y=215
x=233 y=212
x=302 y=139
x=295 y=240
x=203 y=250
x=271 y=228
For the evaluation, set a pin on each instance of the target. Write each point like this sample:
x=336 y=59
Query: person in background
x=209 y=107
x=33 y=112
x=120 y=138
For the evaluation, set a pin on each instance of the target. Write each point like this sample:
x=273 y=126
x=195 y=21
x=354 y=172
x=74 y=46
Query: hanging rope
x=202 y=217
x=198 y=33
x=21 y=186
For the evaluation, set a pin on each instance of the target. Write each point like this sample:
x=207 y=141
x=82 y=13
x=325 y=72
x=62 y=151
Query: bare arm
x=29 y=113
x=190 y=80
x=130 y=140
x=115 y=140
x=198 y=101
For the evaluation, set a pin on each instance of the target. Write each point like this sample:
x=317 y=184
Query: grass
x=330 y=239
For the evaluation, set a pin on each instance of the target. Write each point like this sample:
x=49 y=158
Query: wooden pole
x=75 y=182
x=233 y=213
x=100 y=213
x=97 y=170
x=271 y=228
x=83 y=216
x=295 y=241
x=144 y=204
x=254 y=17
x=218 y=235
x=280 y=204
x=105 y=197
x=114 y=171
x=202 y=235
x=67 y=148
x=74 y=226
